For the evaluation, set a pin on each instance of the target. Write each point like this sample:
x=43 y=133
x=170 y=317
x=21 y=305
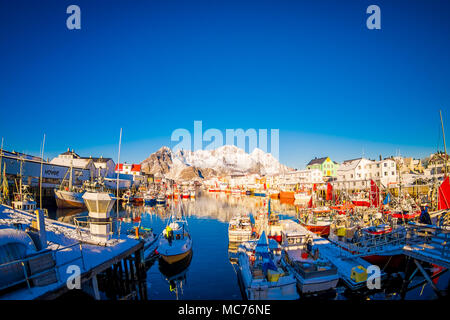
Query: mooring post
x=427 y=277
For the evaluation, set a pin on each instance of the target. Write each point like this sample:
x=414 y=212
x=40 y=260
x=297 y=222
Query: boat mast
x=40 y=178
x=117 y=183
x=70 y=176
x=1 y=178
x=20 y=181
x=445 y=148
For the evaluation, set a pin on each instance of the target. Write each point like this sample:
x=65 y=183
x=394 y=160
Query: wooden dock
x=116 y=268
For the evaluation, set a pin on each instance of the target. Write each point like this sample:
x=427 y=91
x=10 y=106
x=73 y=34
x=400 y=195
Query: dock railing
x=82 y=225
x=429 y=239
x=49 y=267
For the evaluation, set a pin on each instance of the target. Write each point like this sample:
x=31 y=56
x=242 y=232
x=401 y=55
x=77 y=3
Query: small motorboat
x=240 y=228
x=176 y=242
x=313 y=272
x=161 y=200
x=262 y=275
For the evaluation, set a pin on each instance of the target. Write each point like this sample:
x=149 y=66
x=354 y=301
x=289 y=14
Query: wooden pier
x=115 y=270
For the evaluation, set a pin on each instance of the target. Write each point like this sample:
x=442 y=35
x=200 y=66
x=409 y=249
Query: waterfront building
x=325 y=164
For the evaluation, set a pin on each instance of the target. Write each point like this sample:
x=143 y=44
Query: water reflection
x=176 y=274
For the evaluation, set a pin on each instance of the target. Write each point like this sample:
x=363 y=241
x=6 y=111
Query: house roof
x=134 y=167
x=101 y=159
x=317 y=161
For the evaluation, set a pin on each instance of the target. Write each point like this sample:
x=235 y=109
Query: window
x=393 y=173
x=385 y=173
x=385 y=164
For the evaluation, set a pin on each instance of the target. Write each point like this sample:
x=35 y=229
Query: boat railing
x=82 y=225
x=394 y=240
x=42 y=270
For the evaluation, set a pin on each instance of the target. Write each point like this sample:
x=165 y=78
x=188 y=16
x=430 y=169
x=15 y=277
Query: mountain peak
x=225 y=160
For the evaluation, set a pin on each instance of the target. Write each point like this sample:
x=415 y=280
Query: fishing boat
x=274 y=226
x=69 y=196
x=186 y=194
x=375 y=241
x=236 y=191
x=149 y=199
x=314 y=273
x=240 y=228
x=24 y=200
x=138 y=198
x=160 y=200
x=317 y=220
x=176 y=242
x=259 y=193
x=262 y=275
x=274 y=194
x=360 y=199
x=287 y=195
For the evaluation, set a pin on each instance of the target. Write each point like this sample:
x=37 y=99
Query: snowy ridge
x=227 y=159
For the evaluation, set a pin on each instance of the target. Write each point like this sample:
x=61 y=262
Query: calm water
x=210 y=274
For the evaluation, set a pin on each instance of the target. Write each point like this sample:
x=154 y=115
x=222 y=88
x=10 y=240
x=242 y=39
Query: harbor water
x=209 y=273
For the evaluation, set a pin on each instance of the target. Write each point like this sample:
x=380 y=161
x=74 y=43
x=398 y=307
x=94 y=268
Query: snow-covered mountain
x=225 y=160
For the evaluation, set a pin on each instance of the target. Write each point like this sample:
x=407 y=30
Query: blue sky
x=308 y=68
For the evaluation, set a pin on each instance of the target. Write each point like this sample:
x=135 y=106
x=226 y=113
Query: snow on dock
x=69 y=245
x=428 y=243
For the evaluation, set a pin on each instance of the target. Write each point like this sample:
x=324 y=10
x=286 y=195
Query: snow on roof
x=317 y=161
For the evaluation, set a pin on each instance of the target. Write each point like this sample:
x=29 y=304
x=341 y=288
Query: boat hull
x=171 y=259
x=319 y=230
x=287 y=195
x=67 y=199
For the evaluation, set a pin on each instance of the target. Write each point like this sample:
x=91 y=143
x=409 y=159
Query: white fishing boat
x=262 y=276
x=149 y=199
x=23 y=200
x=176 y=243
x=313 y=272
x=240 y=228
x=69 y=196
x=161 y=200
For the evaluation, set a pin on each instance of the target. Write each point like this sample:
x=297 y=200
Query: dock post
x=427 y=277
x=95 y=287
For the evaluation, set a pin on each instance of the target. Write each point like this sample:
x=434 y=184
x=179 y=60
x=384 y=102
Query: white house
x=357 y=173
x=71 y=159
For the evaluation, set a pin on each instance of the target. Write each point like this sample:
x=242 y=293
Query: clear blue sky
x=309 y=68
